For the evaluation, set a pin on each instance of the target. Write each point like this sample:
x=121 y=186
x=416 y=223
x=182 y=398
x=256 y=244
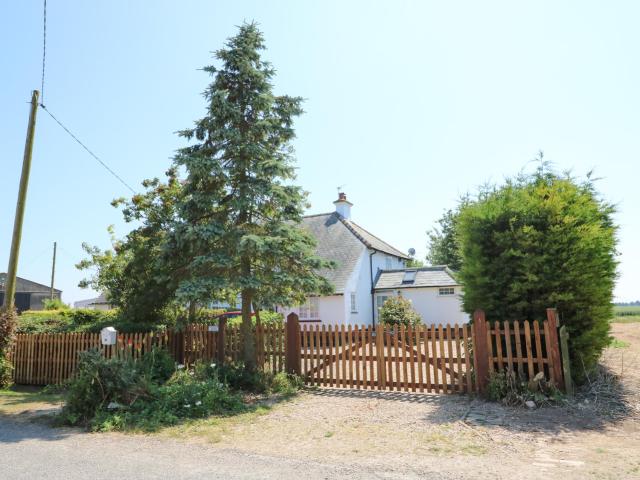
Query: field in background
x=626 y=314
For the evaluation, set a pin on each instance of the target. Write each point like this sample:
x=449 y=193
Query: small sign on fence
x=108 y=336
x=213 y=328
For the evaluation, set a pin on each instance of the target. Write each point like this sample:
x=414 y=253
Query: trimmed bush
x=78 y=320
x=542 y=241
x=397 y=310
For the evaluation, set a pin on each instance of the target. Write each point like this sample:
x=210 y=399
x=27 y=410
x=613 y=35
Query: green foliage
x=443 y=246
x=540 y=241
x=397 y=310
x=626 y=311
x=99 y=383
x=6 y=372
x=80 y=320
x=414 y=263
x=232 y=226
x=506 y=387
x=150 y=393
x=239 y=217
x=8 y=320
x=54 y=304
x=238 y=378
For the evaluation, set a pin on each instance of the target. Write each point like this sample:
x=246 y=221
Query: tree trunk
x=246 y=330
x=256 y=309
x=192 y=311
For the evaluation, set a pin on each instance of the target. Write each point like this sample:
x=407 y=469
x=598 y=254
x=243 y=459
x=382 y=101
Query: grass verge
x=23 y=399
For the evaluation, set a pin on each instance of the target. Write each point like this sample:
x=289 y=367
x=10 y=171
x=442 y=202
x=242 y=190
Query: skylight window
x=409 y=277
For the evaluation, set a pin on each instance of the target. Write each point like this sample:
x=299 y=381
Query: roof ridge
x=430 y=268
x=318 y=215
x=345 y=222
x=373 y=235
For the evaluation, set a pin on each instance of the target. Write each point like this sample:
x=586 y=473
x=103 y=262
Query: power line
x=44 y=47
x=87 y=149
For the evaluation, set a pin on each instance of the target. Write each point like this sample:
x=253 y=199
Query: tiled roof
x=343 y=242
x=438 y=276
x=371 y=241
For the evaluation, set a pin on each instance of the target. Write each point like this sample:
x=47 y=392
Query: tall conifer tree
x=239 y=212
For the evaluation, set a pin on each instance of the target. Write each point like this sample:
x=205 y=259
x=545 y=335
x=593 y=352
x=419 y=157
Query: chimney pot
x=343 y=206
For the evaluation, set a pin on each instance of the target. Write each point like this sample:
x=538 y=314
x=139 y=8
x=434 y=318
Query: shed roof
x=436 y=276
x=26 y=286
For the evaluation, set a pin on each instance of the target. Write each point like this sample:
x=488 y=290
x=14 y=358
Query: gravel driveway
x=33 y=451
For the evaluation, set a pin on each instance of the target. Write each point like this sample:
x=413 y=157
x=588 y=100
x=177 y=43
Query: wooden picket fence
x=437 y=358
x=43 y=359
x=424 y=358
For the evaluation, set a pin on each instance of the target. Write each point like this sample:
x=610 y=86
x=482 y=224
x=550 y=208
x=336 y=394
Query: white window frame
x=379 y=303
x=309 y=310
x=353 y=300
x=446 y=291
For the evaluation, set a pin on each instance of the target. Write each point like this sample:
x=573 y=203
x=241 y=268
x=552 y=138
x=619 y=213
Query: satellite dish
x=412 y=252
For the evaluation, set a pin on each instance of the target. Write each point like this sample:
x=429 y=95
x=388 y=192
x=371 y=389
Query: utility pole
x=53 y=268
x=10 y=288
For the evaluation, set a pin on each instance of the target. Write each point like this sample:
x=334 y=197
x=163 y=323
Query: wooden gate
x=424 y=358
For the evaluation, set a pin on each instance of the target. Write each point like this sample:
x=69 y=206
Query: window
x=409 y=277
x=446 y=291
x=380 y=299
x=388 y=265
x=354 y=305
x=309 y=310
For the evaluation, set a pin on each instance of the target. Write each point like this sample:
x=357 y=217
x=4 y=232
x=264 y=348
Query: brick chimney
x=343 y=206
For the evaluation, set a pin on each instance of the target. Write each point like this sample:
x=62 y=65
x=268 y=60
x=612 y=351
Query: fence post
x=552 y=319
x=380 y=365
x=566 y=363
x=480 y=351
x=220 y=339
x=292 y=346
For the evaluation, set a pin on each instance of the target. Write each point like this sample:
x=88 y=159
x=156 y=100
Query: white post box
x=108 y=336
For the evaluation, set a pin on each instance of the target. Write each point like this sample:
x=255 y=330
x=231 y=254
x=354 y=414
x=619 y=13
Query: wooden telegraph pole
x=10 y=289
x=53 y=268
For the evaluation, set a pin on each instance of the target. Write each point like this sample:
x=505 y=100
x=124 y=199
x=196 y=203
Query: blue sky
x=408 y=104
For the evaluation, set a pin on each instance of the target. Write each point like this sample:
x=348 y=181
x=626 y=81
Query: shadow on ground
x=602 y=404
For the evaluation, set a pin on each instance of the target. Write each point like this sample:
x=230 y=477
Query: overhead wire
x=89 y=151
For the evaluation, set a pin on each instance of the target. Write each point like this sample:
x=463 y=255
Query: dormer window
x=409 y=277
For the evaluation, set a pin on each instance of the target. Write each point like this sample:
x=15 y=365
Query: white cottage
x=369 y=270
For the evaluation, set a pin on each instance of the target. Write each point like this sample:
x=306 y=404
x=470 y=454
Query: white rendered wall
x=330 y=309
x=433 y=308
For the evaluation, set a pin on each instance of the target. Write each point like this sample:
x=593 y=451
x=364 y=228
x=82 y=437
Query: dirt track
x=335 y=433
x=453 y=434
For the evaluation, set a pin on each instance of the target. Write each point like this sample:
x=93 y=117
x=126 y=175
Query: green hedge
x=91 y=321
x=77 y=320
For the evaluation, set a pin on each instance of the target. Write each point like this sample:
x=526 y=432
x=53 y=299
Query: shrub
x=542 y=241
x=54 y=304
x=508 y=388
x=286 y=384
x=6 y=372
x=120 y=393
x=78 y=320
x=398 y=310
x=238 y=378
x=100 y=383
